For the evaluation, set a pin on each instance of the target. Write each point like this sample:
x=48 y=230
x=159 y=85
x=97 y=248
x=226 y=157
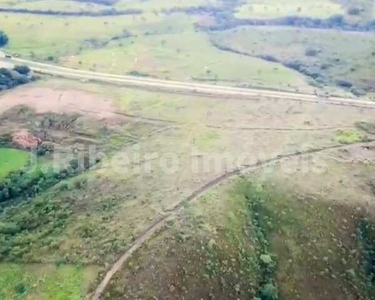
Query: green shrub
x=3 y=39
x=9 y=228
x=269 y=292
x=311 y=52
x=354 y=11
x=24 y=70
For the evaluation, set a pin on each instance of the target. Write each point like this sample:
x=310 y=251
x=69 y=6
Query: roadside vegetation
x=122 y=44
x=10 y=78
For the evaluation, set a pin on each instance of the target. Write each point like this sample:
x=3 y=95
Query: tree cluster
x=28 y=184
x=10 y=78
x=225 y=21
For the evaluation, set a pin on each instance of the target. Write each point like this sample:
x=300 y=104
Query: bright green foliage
x=42 y=282
x=11 y=160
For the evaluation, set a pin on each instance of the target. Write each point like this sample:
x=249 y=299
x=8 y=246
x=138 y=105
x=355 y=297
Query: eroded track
x=159 y=223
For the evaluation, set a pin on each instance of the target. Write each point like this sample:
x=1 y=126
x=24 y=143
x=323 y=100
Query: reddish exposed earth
x=26 y=140
x=45 y=100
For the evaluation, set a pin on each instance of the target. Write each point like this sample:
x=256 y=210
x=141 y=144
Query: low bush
x=354 y=11
x=24 y=70
x=26 y=225
x=344 y=83
x=270 y=58
x=311 y=52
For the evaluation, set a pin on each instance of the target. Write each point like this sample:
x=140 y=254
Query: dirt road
x=188 y=88
x=159 y=223
x=182 y=87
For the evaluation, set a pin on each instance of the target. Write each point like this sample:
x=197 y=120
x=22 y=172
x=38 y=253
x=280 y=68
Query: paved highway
x=179 y=87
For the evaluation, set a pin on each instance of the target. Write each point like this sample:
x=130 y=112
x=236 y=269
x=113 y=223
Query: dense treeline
x=103 y=13
x=12 y=78
x=225 y=21
x=28 y=184
x=366 y=235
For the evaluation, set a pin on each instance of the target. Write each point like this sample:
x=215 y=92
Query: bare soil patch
x=25 y=139
x=44 y=100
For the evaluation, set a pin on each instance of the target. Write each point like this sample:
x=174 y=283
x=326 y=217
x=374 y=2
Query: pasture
x=12 y=160
x=267 y=195
x=275 y=9
x=330 y=56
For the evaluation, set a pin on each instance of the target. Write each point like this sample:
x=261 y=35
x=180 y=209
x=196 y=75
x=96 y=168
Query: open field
x=329 y=57
x=164 y=4
x=356 y=11
x=76 y=32
x=157 y=44
x=45 y=281
x=106 y=208
x=82 y=6
x=159 y=47
x=11 y=160
x=171 y=56
x=171 y=153
x=273 y=9
x=64 y=6
x=253 y=227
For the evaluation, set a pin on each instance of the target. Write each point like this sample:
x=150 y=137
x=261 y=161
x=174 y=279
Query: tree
x=24 y=70
x=3 y=39
x=269 y=292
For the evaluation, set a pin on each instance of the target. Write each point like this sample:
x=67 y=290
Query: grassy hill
x=256 y=197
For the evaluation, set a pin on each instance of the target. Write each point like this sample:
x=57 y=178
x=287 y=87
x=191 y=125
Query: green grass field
x=151 y=5
x=171 y=56
x=337 y=57
x=44 y=282
x=77 y=6
x=12 y=160
x=160 y=46
x=64 y=6
x=75 y=32
x=275 y=9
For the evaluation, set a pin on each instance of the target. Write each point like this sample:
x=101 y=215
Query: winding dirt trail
x=214 y=91
x=159 y=223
